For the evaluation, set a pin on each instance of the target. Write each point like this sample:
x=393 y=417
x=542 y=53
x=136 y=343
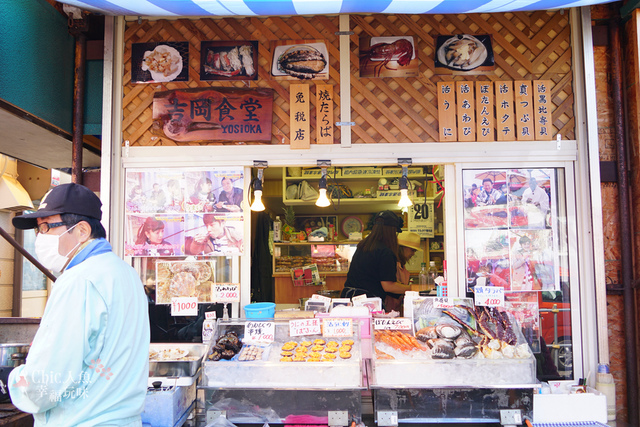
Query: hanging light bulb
x=257 y=205
x=323 y=201
x=405 y=201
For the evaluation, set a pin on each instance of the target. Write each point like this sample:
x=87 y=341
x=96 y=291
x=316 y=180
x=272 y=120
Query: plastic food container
x=260 y=310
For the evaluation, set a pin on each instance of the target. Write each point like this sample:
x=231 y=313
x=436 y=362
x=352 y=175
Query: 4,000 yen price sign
x=489 y=296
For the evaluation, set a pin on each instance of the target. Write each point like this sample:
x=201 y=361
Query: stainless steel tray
x=169 y=368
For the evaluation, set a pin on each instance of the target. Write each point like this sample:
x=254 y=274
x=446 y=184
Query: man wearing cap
x=373 y=268
x=88 y=363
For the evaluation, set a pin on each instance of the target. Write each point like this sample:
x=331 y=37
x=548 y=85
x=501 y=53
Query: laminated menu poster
x=187 y=211
x=306 y=275
x=176 y=279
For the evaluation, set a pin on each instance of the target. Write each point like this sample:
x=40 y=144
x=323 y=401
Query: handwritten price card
x=397 y=324
x=443 y=302
x=300 y=327
x=335 y=327
x=324 y=114
x=542 y=108
x=259 y=332
x=227 y=292
x=486 y=121
x=466 y=112
x=184 y=306
x=447 y=111
x=299 y=122
x=489 y=296
x=505 y=120
x=524 y=110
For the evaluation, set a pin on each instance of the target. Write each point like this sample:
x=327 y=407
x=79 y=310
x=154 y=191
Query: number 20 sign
x=421 y=218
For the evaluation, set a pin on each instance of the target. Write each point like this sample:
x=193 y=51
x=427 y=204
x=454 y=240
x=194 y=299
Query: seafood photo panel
x=160 y=62
x=464 y=54
x=299 y=60
x=228 y=60
x=388 y=57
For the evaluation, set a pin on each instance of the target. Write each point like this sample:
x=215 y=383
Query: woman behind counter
x=373 y=268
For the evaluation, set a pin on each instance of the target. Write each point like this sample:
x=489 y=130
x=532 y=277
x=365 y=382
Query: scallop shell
x=463 y=339
x=466 y=351
x=441 y=351
x=446 y=330
x=440 y=342
x=427 y=333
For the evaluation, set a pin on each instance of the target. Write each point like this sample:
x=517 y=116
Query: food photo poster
x=228 y=60
x=160 y=62
x=388 y=57
x=299 y=60
x=178 y=212
x=464 y=54
x=511 y=236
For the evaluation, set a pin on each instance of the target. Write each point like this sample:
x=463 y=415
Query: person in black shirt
x=373 y=268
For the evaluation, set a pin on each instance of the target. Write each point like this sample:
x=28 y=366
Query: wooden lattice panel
x=527 y=45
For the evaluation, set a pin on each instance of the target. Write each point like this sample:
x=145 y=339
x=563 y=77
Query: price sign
x=336 y=327
x=316 y=297
x=256 y=332
x=184 y=306
x=490 y=296
x=300 y=327
x=210 y=315
x=443 y=302
x=397 y=323
x=227 y=292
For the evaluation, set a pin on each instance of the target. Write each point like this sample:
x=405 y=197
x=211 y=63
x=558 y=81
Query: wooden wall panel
x=527 y=46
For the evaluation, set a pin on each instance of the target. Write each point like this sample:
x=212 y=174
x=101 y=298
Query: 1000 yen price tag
x=259 y=332
x=300 y=327
x=489 y=296
x=184 y=306
x=335 y=327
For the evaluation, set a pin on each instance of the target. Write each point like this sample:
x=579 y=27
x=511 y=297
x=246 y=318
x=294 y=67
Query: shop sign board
x=220 y=114
x=486 y=121
x=524 y=110
x=542 y=108
x=299 y=120
x=324 y=114
x=447 y=111
x=504 y=111
x=466 y=112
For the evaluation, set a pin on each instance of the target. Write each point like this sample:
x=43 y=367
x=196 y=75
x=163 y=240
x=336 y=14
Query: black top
x=368 y=269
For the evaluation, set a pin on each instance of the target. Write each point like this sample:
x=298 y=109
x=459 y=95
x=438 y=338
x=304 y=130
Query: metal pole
x=625 y=224
x=26 y=254
x=78 y=107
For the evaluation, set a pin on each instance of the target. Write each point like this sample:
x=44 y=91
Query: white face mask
x=47 y=251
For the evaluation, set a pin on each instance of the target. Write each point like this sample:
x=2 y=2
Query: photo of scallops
x=304 y=61
x=183 y=279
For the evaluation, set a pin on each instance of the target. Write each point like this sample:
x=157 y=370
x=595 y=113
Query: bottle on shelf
x=431 y=276
x=422 y=277
x=277 y=230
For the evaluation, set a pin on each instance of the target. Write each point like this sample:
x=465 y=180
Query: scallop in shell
x=442 y=351
x=447 y=330
x=466 y=351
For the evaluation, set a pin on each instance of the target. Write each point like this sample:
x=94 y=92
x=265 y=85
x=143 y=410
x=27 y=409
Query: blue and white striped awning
x=314 y=7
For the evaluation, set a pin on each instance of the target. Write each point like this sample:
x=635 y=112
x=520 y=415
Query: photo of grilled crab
x=302 y=61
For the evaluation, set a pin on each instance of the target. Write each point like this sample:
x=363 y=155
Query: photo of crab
x=300 y=60
x=388 y=57
x=228 y=60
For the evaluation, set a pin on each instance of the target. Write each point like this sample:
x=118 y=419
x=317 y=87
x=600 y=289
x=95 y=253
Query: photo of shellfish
x=301 y=61
x=184 y=279
x=464 y=52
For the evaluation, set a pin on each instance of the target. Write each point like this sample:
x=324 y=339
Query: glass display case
x=330 y=257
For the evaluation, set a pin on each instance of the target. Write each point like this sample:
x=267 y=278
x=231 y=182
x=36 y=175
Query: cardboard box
x=396 y=172
x=361 y=172
x=552 y=408
x=317 y=172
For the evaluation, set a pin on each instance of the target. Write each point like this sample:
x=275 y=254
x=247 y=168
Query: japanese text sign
x=489 y=296
x=505 y=120
x=443 y=302
x=337 y=327
x=299 y=120
x=486 y=121
x=220 y=114
x=524 y=111
x=256 y=332
x=184 y=306
x=324 y=114
x=300 y=327
x=542 y=109
x=396 y=323
x=447 y=111
x=421 y=217
x=226 y=292
x=466 y=112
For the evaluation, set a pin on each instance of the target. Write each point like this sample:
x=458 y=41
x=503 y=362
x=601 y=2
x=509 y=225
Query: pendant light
x=323 y=201
x=257 y=205
x=405 y=202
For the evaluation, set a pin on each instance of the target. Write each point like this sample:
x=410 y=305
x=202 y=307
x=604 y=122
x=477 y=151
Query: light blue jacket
x=89 y=361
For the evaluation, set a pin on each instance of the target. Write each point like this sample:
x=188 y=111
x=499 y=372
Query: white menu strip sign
x=301 y=327
x=227 y=292
x=259 y=332
x=443 y=302
x=337 y=327
x=184 y=306
x=489 y=296
x=316 y=297
x=396 y=323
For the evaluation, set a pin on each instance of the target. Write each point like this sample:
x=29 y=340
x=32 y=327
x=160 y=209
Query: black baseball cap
x=66 y=198
x=389 y=218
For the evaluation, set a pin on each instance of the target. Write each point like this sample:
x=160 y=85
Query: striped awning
x=315 y=7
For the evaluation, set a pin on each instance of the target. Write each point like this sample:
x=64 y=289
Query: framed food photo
x=464 y=54
x=228 y=60
x=388 y=57
x=299 y=60
x=160 y=62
